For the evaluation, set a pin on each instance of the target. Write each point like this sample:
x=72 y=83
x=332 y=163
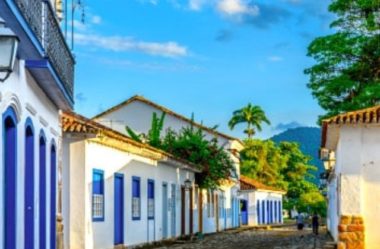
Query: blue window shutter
x=150 y=189
x=136 y=187
x=97 y=182
x=136 y=200
x=98 y=195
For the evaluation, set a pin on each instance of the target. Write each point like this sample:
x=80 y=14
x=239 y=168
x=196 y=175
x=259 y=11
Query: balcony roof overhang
x=44 y=73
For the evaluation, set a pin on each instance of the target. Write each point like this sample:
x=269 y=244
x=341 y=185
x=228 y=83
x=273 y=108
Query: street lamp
x=8 y=49
x=188 y=184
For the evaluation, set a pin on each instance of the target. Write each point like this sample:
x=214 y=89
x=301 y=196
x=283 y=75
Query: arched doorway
x=29 y=186
x=10 y=169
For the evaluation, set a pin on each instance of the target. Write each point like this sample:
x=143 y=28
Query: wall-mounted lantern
x=8 y=50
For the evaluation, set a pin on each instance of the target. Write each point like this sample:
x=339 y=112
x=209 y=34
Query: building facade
x=40 y=85
x=118 y=192
x=218 y=209
x=261 y=204
x=350 y=148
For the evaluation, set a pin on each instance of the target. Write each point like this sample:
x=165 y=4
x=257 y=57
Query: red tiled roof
x=75 y=123
x=364 y=116
x=247 y=183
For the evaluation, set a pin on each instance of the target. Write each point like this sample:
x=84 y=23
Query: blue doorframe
x=244 y=212
x=119 y=209
x=29 y=185
x=10 y=169
x=42 y=192
x=53 y=194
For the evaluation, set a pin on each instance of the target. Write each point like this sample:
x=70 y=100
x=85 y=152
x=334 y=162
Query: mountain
x=309 y=139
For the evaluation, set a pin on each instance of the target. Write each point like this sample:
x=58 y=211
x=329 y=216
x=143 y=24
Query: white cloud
x=96 y=19
x=196 y=5
x=275 y=58
x=237 y=8
x=122 y=44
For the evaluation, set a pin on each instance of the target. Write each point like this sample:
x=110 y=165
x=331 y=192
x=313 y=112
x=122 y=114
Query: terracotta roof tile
x=75 y=123
x=247 y=183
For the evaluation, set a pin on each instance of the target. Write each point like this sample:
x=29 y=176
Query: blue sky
x=207 y=57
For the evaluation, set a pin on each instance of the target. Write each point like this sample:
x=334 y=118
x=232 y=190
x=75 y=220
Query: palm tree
x=253 y=115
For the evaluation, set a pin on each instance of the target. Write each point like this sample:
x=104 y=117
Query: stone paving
x=276 y=238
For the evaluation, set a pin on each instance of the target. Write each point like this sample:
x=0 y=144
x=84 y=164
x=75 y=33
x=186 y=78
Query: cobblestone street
x=277 y=238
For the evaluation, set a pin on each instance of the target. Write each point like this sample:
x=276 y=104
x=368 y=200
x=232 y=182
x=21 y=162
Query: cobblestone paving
x=277 y=238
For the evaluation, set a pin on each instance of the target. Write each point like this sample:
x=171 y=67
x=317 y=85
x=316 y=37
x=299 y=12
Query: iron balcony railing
x=41 y=18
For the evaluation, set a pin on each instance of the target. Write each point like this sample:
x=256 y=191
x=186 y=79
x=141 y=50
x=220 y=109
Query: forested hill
x=309 y=139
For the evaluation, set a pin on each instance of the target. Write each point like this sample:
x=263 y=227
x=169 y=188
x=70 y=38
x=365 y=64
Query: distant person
x=315 y=223
x=300 y=223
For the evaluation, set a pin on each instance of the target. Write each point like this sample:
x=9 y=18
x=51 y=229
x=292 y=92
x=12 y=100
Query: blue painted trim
x=119 y=221
x=101 y=172
x=154 y=196
x=136 y=178
x=53 y=193
x=42 y=189
x=45 y=64
x=29 y=123
x=24 y=24
x=10 y=228
x=29 y=186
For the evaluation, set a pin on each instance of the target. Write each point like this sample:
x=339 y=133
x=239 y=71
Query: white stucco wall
x=358 y=178
x=138 y=116
x=29 y=101
x=252 y=197
x=83 y=232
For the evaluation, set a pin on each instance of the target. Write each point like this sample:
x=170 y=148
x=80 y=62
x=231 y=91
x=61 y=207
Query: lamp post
x=8 y=49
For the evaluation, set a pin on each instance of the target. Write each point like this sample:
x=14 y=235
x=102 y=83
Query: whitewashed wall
x=252 y=197
x=138 y=116
x=358 y=178
x=29 y=101
x=82 y=231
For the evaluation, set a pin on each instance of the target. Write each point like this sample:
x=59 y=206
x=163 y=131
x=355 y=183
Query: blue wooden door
x=29 y=189
x=173 y=211
x=244 y=212
x=42 y=194
x=258 y=212
x=10 y=165
x=53 y=197
x=164 y=211
x=119 y=210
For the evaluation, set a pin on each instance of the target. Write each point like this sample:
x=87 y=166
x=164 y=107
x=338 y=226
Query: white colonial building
x=217 y=210
x=260 y=204
x=118 y=192
x=351 y=150
x=31 y=96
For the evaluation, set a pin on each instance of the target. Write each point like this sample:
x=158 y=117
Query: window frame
x=138 y=179
x=100 y=172
x=150 y=181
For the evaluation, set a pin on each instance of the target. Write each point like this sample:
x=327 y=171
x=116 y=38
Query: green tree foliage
x=252 y=115
x=154 y=134
x=347 y=73
x=190 y=144
x=213 y=160
x=263 y=160
x=153 y=137
x=312 y=202
x=281 y=165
